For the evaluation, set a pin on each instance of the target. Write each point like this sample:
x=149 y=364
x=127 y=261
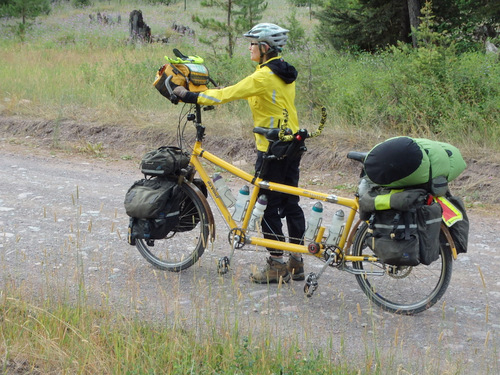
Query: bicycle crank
x=312 y=278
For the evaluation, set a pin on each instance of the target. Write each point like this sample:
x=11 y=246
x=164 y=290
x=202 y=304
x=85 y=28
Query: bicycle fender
x=210 y=215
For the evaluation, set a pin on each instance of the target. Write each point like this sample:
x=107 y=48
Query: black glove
x=185 y=95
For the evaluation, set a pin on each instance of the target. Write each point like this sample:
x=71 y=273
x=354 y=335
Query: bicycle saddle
x=356 y=155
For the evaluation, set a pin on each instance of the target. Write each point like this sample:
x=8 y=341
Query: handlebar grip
x=173 y=98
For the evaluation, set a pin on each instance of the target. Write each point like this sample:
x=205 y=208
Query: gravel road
x=62 y=225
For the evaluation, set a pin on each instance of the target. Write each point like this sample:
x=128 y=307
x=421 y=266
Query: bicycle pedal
x=223 y=265
x=311 y=284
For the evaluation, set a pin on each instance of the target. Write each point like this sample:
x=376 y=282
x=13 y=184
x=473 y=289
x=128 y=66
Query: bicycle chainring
x=239 y=235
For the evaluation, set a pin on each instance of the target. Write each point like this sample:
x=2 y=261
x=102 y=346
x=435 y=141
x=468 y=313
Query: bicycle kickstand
x=312 y=279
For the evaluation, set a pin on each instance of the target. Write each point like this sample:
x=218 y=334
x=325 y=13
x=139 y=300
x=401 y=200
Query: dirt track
x=61 y=215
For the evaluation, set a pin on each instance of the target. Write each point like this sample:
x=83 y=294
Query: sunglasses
x=254 y=44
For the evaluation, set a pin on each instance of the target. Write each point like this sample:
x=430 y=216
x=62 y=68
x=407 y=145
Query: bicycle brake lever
x=174 y=99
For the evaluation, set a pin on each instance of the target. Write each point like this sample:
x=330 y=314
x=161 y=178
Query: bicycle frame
x=259 y=184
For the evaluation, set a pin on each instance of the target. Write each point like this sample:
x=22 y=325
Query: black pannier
x=393 y=237
x=153 y=207
x=429 y=226
x=404 y=225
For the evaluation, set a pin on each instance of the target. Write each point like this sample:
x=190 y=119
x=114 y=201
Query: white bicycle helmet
x=274 y=35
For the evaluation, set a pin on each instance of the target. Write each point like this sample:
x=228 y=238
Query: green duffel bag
x=403 y=162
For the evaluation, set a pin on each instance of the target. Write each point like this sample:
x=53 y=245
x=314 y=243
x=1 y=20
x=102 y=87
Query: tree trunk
x=139 y=31
x=230 y=33
x=414 y=13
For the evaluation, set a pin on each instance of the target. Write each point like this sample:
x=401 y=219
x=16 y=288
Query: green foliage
x=303 y=3
x=297 y=35
x=249 y=13
x=364 y=24
x=59 y=338
x=239 y=16
x=25 y=9
x=81 y=3
x=372 y=24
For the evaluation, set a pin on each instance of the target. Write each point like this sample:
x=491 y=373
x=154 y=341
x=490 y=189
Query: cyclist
x=269 y=90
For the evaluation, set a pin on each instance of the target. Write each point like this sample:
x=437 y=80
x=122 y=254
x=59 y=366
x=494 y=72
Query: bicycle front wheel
x=401 y=290
x=186 y=243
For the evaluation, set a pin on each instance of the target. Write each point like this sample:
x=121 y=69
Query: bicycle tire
x=402 y=290
x=186 y=243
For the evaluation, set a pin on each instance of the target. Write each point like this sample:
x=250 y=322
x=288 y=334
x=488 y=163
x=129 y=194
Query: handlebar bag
x=194 y=77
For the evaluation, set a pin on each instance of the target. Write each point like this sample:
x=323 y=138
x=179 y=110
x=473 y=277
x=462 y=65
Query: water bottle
x=314 y=221
x=241 y=203
x=364 y=187
x=257 y=213
x=336 y=229
x=223 y=189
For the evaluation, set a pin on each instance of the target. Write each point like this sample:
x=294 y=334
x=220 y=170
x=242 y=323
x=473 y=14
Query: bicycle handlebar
x=173 y=98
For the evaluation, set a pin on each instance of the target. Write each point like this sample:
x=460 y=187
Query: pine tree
x=371 y=24
x=249 y=13
x=24 y=9
x=240 y=16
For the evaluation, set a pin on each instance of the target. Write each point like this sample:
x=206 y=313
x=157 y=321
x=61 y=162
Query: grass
x=48 y=338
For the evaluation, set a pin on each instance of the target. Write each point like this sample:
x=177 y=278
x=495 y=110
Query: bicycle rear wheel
x=186 y=243
x=402 y=290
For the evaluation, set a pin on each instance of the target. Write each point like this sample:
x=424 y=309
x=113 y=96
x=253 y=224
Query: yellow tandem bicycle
x=398 y=289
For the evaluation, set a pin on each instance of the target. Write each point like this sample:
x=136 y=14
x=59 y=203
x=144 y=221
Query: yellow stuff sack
x=194 y=77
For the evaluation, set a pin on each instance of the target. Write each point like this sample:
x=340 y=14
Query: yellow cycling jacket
x=267 y=95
